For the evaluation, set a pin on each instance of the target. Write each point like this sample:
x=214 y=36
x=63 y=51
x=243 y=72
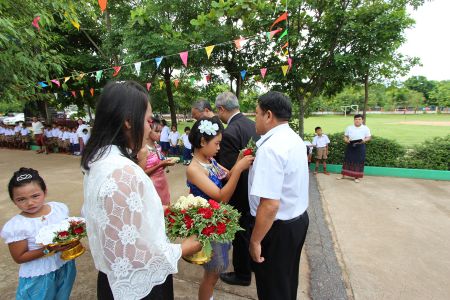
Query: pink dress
x=158 y=177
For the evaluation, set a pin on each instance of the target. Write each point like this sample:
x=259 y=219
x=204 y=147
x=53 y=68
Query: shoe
x=326 y=173
x=232 y=279
x=357 y=180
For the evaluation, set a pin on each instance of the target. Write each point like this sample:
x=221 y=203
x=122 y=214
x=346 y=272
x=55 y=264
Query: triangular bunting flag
x=74 y=94
x=161 y=83
x=280 y=18
x=184 y=57
x=56 y=81
x=82 y=93
x=102 y=4
x=158 y=61
x=208 y=78
x=75 y=24
x=137 y=66
x=285 y=45
x=56 y=95
x=116 y=70
x=66 y=79
x=149 y=85
x=273 y=32
x=35 y=22
x=98 y=75
x=284 y=69
x=283 y=35
x=92 y=91
x=43 y=84
x=290 y=62
x=176 y=82
x=263 y=72
x=191 y=80
x=209 y=50
x=80 y=76
x=243 y=72
x=239 y=43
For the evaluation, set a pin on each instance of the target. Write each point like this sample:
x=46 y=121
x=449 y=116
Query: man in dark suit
x=235 y=138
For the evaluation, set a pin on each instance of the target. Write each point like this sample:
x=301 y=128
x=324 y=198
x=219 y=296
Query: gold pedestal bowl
x=198 y=258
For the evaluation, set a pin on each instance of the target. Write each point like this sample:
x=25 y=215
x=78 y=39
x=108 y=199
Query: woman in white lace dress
x=124 y=214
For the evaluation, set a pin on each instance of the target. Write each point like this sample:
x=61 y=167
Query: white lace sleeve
x=129 y=227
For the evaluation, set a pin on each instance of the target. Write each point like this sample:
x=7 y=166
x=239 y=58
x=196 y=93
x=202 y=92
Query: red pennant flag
x=35 y=22
x=74 y=94
x=263 y=72
x=92 y=91
x=102 y=4
x=184 y=57
x=176 y=81
x=280 y=18
x=116 y=70
x=149 y=85
x=273 y=32
x=208 y=78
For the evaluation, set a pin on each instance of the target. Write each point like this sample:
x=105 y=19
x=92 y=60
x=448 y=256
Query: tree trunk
x=173 y=114
x=238 y=86
x=48 y=117
x=366 y=97
x=301 y=115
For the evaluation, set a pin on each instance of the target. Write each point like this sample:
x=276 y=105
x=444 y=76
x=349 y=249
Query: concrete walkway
x=391 y=235
x=64 y=182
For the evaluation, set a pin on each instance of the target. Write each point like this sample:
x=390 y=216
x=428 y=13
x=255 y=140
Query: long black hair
x=119 y=102
x=24 y=176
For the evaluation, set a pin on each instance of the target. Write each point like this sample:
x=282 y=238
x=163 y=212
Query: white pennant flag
x=137 y=66
x=56 y=95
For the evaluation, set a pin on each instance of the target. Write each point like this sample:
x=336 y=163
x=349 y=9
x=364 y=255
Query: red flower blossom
x=171 y=220
x=208 y=230
x=213 y=204
x=188 y=221
x=247 y=151
x=78 y=230
x=167 y=212
x=183 y=211
x=221 y=228
x=63 y=234
x=205 y=212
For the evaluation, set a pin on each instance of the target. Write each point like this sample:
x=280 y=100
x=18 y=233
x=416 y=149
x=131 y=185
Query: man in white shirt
x=81 y=127
x=320 y=142
x=278 y=195
x=38 y=130
x=356 y=136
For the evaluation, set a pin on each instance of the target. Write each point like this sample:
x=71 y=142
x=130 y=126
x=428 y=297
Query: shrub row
x=381 y=152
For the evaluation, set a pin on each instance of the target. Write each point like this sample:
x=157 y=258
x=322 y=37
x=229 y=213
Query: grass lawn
x=388 y=126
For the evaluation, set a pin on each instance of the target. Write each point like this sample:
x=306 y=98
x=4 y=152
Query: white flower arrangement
x=185 y=202
x=208 y=127
x=65 y=230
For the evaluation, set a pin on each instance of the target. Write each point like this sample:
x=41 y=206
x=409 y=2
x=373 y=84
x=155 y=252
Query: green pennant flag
x=284 y=33
x=191 y=80
x=98 y=75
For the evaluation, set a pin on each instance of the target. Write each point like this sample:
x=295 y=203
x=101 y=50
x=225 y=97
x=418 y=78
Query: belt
x=285 y=221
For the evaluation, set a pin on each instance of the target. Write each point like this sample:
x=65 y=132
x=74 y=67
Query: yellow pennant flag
x=284 y=69
x=209 y=50
x=161 y=84
x=75 y=24
x=80 y=76
x=82 y=93
x=66 y=79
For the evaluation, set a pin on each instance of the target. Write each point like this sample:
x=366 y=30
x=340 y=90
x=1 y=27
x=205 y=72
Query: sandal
x=357 y=180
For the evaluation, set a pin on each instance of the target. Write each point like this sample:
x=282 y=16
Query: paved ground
x=64 y=182
x=391 y=235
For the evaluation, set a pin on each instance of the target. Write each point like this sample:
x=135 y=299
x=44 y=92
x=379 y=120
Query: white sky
x=430 y=40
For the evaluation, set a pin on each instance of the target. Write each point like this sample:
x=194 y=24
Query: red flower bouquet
x=209 y=220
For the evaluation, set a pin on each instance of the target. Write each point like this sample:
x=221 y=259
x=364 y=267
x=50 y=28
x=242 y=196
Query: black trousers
x=241 y=255
x=160 y=292
x=277 y=277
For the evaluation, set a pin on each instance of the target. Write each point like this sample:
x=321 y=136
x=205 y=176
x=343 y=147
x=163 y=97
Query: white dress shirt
x=164 y=134
x=37 y=127
x=173 y=137
x=321 y=141
x=357 y=133
x=280 y=172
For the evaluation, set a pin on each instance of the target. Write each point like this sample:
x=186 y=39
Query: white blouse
x=22 y=228
x=125 y=227
x=357 y=133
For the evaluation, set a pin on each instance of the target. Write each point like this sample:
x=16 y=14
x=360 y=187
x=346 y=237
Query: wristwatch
x=46 y=251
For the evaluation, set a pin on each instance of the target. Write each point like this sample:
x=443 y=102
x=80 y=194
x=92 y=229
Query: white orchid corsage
x=208 y=127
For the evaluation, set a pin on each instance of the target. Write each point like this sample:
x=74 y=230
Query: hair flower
x=208 y=127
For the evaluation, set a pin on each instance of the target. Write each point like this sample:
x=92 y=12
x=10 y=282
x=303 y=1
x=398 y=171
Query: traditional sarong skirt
x=355 y=156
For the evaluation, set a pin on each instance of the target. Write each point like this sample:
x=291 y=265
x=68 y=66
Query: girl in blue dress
x=204 y=178
x=43 y=275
